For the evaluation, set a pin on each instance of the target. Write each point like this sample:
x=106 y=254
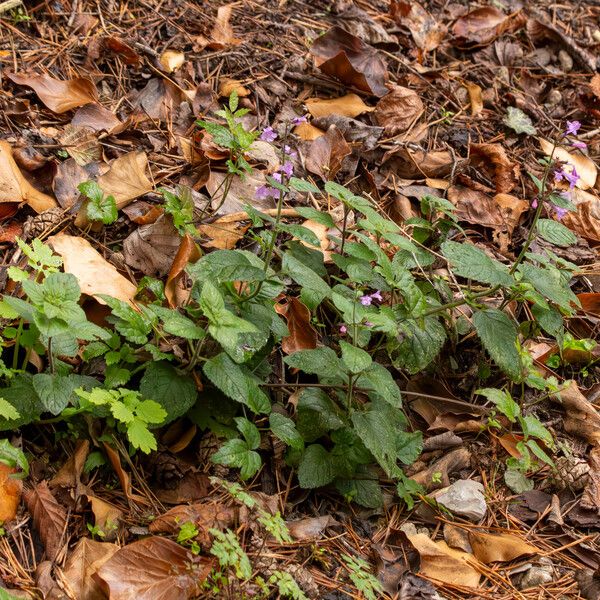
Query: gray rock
x=538 y=575
x=464 y=498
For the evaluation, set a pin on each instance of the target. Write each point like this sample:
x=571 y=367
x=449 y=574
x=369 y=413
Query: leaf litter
x=429 y=110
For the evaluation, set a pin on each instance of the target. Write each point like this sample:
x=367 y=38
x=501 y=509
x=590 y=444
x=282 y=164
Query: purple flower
x=268 y=135
x=288 y=168
x=289 y=152
x=534 y=204
x=560 y=212
x=572 y=127
x=579 y=145
x=368 y=324
x=277 y=177
x=299 y=120
x=343 y=330
x=264 y=191
x=365 y=300
x=377 y=296
x=571 y=177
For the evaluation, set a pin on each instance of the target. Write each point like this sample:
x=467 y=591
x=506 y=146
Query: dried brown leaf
x=501 y=547
x=175 y=292
x=303 y=336
x=154 y=568
x=586 y=169
x=310 y=527
x=10 y=493
x=225 y=232
x=171 y=60
x=581 y=418
x=483 y=25
x=58 y=96
x=308 y=132
x=493 y=158
x=157 y=101
x=349 y=105
x=106 y=517
x=586 y=221
x=94 y=116
x=418 y=164
x=117 y=46
x=228 y=86
x=222 y=35
x=95 y=274
x=241 y=191
x=475 y=97
x=398 y=110
x=326 y=154
x=70 y=472
x=81 y=144
x=49 y=517
x=426 y=31
x=126 y=179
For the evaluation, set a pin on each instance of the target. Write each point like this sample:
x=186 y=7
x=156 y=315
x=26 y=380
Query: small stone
x=464 y=498
x=409 y=528
x=553 y=98
x=537 y=575
x=565 y=60
x=596 y=35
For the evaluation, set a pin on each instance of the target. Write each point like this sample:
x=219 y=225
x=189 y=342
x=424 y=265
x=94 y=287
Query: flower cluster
x=367 y=299
x=286 y=169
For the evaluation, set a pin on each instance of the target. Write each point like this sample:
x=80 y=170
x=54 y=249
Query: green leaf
x=472 y=263
x=320 y=361
x=150 y=412
x=532 y=427
x=235 y=453
x=380 y=381
x=498 y=335
x=315 y=215
x=549 y=319
x=174 y=391
x=355 y=359
x=556 y=233
x=503 y=401
x=249 y=432
x=517 y=481
x=551 y=284
x=54 y=391
x=91 y=190
x=420 y=342
x=302 y=233
x=177 y=324
x=8 y=411
x=228 y=265
x=132 y=325
x=314 y=289
x=14 y=458
x=140 y=436
x=364 y=490
x=409 y=446
x=284 y=428
x=121 y=412
x=518 y=121
x=317 y=414
x=317 y=467
x=103 y=209
x=220 y=134
x=301 y=185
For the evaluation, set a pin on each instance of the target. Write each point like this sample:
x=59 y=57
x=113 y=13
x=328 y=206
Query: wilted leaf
x=69 y=473
x=310 y=527
x=157 y=100
x=425 y=29
x=49 y=518
x=171 y=60
x=303 y=336
x=222 y=34
x=326 y=154
x=95 y=274
x=241 y=191
x=81 y=144
x=398 y=110
x=126 y=179
x=501 y=547
x=58 y=96
x=586 y=221
x=501 y=169
x=95 y=116
x=586 y=169
x=228 y=86
x=347 y=58
x=483 y=25
x=418 y=164
x=475 y=97
x=15 y=188
x=117 y=46
x=10 y=493
x=225 y=232
x=349 y=105
x=518 y=121
x=106 y=517
x=308 y=132
x=154 y=568
x=176 y=293
x=581 y=417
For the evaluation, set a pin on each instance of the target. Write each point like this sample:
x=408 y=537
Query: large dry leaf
x=349 y=105
x=58 y=96
x=67 y=179
x=585 y=167
x=398 y=110
x=483 y=25
x=586 y=221
x=222 y=34
x=126 y=179
x=95 y=116
x=176 y=293
x=157 y=100
x=151 y=248
x=240 y=192
x=95 y=274
x=581 y=418
x=418 y=164
x=326 y=154
x=85 y=559
x=444 y=564
x=154 y=568
x=225 y=232
x=106 y=517
x=10 y=493
x=303 y=336
x=15 y=188
x=49 y=517
x=70 y=472
x=308 y=132
x=501 y=547
x=493 y=158
x=81 y=143
x=426 y=31
x=347 y=58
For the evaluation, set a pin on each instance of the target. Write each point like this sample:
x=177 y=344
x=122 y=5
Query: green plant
x=287 y=586
x=226 y=547
x=180 y=206
x=14 y=458
x=359 y=572
x=187 y=536
x=99 y=207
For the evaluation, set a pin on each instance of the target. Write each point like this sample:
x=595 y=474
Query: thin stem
x=15 y=360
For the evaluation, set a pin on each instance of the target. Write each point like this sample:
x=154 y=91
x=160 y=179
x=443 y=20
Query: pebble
x=538 y=575
x=565 y=60
x=464 y=498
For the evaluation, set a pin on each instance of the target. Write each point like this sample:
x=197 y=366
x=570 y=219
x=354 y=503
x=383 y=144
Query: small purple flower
x=343 y=330
x=368 y=324
x=299 y=120
x=534 y=204
x=377 y=296
x=365 y=300
x=262 y=192
x=579 y=145
x=277 y=177
x=560 y=212
x=288 y=168
x=268 y=135
x=571 y=177
x=290 y=152
x=572 y=127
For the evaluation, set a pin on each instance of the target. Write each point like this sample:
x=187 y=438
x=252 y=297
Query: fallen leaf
x=157 y=101
x=95 y=274
x=69 y=474
x=417 y=164
x=586 y=169
x=187 y=252
x=10 y=493
x=83 y=561
x=123 y=476
x=303 y=336
x=482 y=26
x=444 y=564
x=398 y=110
x=493 y=158
x=349 y=105
x=590 y=302
x=586 y=220
x=346 y=57
x=191 y=487
x=326 y=154
x=359 y=23
x=143 y=213
x=49 y=518
x=58 y=96
x=228 y=86
x=117 y=46
x=67 y=179
x=240 y=192
x=437 y=475
x=308 y=132
x=151 y=248
x=9 y=233
x=265 y=153
x=126 y=179
x=94 y=116
x=425 y=29
x=106 y=517
x=15 y=188
x=171 y=60
x=225 y=232
x=310 y=528
x=581 y=418
x=154 y=568
x=501 y=547
x=475 y=97
x=222 y=34
x=81 y=144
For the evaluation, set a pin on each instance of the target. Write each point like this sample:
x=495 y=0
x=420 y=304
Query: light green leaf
x=503 y=401
x=14 y=458
x=8 y=411
x=177 y=324
x=355 y=359
x=556 y=233
x=140 y=436
x=121 y=412
x=517 y=481
x=518 y=121
x=235 y=453
x=316 y=215
x=103 y=210
x=150 y=412
x=301 y=185
x=284 y=428
x=532 y=427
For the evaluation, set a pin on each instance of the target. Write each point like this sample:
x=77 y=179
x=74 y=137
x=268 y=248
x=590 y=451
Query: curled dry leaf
x=171 y=60
x=475 y=97
x=398 y=110
x=308 y=132
x=157 y=101
x=154 y=568
x=310 y=528
x=347 y=58
x=10 y=493
x=228 y=86
x=123 y=476
x=483 y=25
x=444 y=564
x=95 y=274
x=303 y=336
x=590 y=302
x=241 y=191
x=222 y=34
x=94 y=116
x=450 y=463
x=126 y=179
x=586 y=221
x=349 y=105
x=586 y=169
x=326 y=154
x=225 y=232
x=494 y=159
x=126 y=53
x=107 y=517
x=49 y=517
x=418 y=164
x=503 y=547
x=68 y=176
x=15 y=188
x=188 y=252
x=581 y=418
x=69 y=474
x=426 y=31
x=59 y=96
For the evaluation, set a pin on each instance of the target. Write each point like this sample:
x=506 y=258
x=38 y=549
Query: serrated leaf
x=314 y=289
x=284 y=428
x=317 y=467
x=317 y=414
x=249 y=432
x=364 y=490
x=556 y=233
x=140 y=436
x=91 y=190
x=103 y=209
x=532 y=427
x=503 y=401
x=472 y=263
x=355 y=359
x=409 y=445
x=8 y=411
x=378 y=379
x=150 y=412
x=518 y=121
x=121 y=412
x=517 y=482
x=320 y=361
x=498 y=335
x=420 y=342
x=551 y=284
x=177 y=324
x=54 y=391
x=235 y=453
